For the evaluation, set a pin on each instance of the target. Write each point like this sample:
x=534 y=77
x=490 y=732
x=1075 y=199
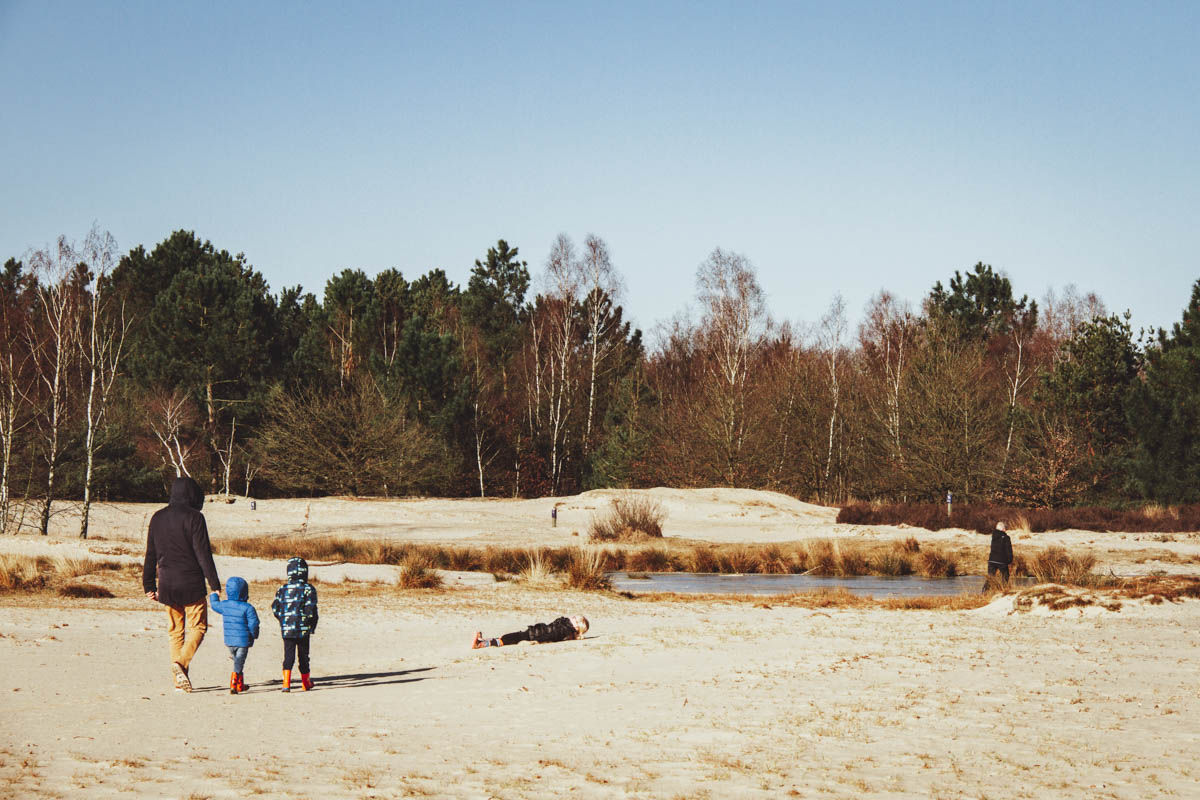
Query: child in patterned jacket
x=295 y=607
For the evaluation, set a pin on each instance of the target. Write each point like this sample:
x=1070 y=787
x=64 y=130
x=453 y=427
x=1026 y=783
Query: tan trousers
x=187 y=626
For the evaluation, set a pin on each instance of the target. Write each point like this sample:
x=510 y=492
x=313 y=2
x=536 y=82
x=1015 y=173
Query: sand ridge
x=685 y=699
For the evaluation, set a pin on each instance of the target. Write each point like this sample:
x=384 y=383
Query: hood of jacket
x=237 y=589
x=185 y=491
x=297 y=569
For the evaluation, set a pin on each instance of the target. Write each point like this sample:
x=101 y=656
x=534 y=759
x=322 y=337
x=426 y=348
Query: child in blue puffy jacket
x=295 y=607
x=241 y=627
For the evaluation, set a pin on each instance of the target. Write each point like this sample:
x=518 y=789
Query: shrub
x=416 y=573
x=586 y=571
x=537 y=568
x=20 y=572
x=822 y=558
x=650 y=559
x=737 y=561
x=703 y=559
x=631 y=518
x=851 y=561
x=937 y=564
x=773 y=561
x=889 y=562
x=1056 y=565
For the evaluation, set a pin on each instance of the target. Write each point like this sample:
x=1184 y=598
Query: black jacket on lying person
x=1001 y=553
x=558 y=631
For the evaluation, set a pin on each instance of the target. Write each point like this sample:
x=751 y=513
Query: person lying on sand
x=561 y=630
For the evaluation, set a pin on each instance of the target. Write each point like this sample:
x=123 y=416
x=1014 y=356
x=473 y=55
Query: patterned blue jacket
x=295 y=604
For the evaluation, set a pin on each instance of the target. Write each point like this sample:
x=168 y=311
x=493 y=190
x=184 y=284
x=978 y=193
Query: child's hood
x=237 y=589
x=297 y=569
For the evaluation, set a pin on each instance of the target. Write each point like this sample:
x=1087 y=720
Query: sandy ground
x=703 y=698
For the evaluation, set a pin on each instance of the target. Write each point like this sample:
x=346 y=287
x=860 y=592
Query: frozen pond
x=875 y=586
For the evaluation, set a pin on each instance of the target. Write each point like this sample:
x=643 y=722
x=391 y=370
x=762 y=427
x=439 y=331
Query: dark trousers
x=998 y=569
x=293 y=646
x=518 y=636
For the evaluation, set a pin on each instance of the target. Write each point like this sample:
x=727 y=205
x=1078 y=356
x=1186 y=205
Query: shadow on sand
x=352 y=681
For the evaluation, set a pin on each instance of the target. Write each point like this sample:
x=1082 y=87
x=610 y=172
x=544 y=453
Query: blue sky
x=842 y=147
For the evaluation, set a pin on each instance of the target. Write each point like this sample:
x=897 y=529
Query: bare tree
x=886 y=338
x=225 y=454
x=555 y=370
x=172 y=416
x=102 y=344
x=734 y=316
x=52 y=335
x=16 y=378
x=832 y=335
x=602 y=287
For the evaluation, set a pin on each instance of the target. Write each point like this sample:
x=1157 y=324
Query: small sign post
x=554 y=517
x=949 y=503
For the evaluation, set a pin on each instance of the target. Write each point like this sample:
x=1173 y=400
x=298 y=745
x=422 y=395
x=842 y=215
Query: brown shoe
x=182 y=683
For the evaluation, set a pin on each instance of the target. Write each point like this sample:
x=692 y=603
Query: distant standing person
x=178 y=560
x=1001 y=555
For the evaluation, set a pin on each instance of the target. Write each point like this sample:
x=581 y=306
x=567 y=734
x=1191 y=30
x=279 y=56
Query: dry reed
x=631 y=518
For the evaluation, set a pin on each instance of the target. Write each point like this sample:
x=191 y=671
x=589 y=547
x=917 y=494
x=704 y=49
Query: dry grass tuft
x=416 y=572
x=894 y=560
x=19 y=572
x=1059 y=598
x=537 y=570
x=34 y=573
x=937 y=564
x=84 y=590
x=1056 y=565
x=632 y=518
x=586 y=571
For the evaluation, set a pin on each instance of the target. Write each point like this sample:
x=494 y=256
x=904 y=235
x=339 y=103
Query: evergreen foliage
x=394 y=384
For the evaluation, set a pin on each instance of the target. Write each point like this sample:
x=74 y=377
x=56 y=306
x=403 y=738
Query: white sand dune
x=693 y=699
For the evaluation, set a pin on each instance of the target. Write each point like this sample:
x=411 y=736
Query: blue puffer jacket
x=241 y=620
x=295 y=603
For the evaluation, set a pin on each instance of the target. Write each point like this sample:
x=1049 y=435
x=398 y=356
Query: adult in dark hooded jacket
x=1000 y=557
x=178 y=561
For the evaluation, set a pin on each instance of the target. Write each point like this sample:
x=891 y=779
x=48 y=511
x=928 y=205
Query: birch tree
x=16 y=376
x=172 y=418
x=559 y=323
x=52 y=335
x=832 y=335
x=102 y=344
x=601 y=286
x=886 y=337
x=734 y=316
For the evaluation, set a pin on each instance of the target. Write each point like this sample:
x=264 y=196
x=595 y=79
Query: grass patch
x=33 y=573
x=586 y=571
x=631 y=518
x=825 y=599
x=416 y=572
x=1056 y=565
x=84 y=590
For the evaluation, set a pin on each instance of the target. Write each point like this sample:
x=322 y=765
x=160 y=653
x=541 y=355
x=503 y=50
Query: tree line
x=121 y=371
